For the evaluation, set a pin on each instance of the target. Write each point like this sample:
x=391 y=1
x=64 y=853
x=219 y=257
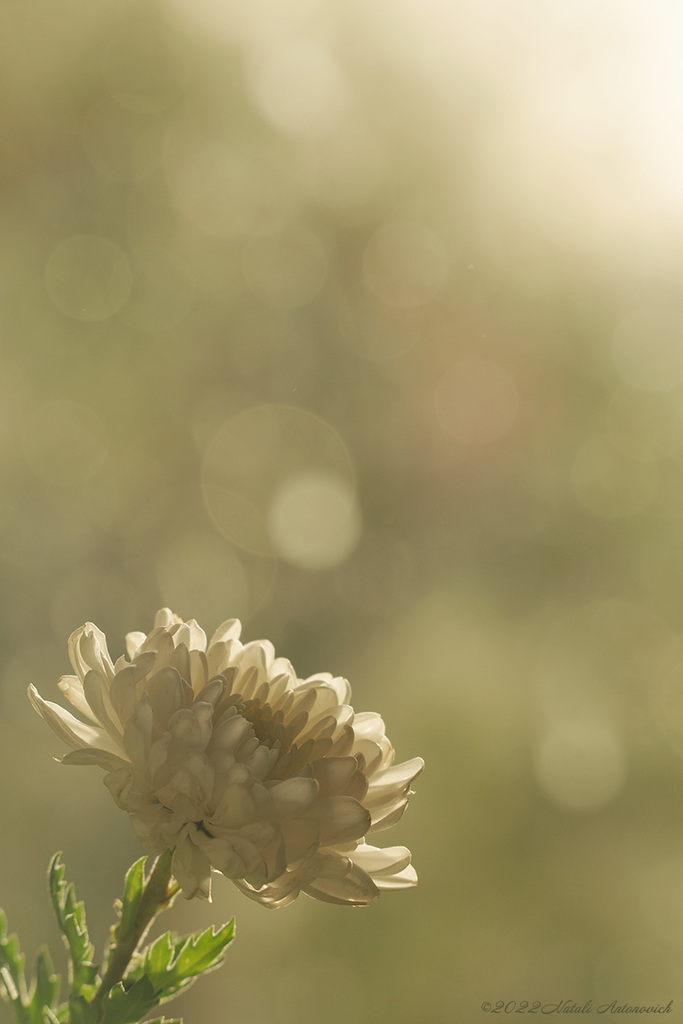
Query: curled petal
x=340 y=819
x=97 y=696
x=72 y=688
x=88 y=651
x=381 y=862
x=390 y=783
x=91 y=755
x=71 y=730
x=339 y=880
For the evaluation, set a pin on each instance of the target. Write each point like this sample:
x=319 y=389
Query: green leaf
x=82 y=1011
x=71 y=920
x=28 y=1002
x=158 y=957
x=12 y=978
x=132 y=893
x=173 y=962
x=45 y=990
x=165 y=1020
x=203 y=951
x=129 y=1007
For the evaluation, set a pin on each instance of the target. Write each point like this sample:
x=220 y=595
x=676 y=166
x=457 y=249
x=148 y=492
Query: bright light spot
x=253 y=456
x=286 y=269
x=314 y=521
x=648 y=347
x=580 y=766
x=609 y=483
x=476 y=401
x=404 y=264
x=297 y=85
x=88 y=277
x=64 y=443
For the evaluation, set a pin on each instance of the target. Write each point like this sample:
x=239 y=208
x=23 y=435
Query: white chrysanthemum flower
x=222 y=754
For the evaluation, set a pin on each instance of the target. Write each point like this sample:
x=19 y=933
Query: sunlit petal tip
x=231 y=629
x=134 y=642
x=165 y=617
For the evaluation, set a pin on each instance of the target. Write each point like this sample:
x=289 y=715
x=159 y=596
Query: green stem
x=158 y=895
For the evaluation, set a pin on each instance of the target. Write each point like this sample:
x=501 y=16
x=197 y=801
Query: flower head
x=222 y=754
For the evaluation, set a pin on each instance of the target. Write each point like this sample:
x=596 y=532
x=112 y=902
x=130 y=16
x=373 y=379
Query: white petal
x=133 y=642
x=235 y=808
x=123 y=693
x=119 y=783
x=388 y=814
x=218 y=658
x=72 y=688
x=229 y=734
x=88 y=650
x=376 y=861
x=137 y=735
x=212 y=692
x=90 y=755
x=197 y=636
x=191 y=727
x=340 y=819
x=167 y=693
x=335 y=774
x=97 y=696
x=369 y=725
x=341 y=881
x=70 y=729
x=192 y=869
x=405 y=879
x=165 y=618
x=334 y=690
x=293 y=795
x=390 y=783
x=229 y=630
x=199 y=670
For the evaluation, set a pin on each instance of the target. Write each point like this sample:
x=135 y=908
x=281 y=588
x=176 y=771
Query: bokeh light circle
x=253 y=456
x=297 y=85
x=314 y=521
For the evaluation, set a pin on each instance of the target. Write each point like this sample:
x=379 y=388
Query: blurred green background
x=363 y=323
